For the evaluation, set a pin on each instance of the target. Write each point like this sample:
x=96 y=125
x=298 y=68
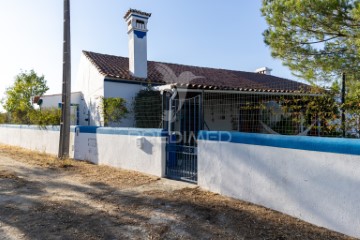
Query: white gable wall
x=94 y=86
x=91 y=83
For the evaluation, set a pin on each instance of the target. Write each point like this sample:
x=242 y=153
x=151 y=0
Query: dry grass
x=85 y=170
x=256 y=221
x=258 y=218
x=30 y=157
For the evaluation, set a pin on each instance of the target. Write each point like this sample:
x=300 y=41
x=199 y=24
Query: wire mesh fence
x=286 y=114
x=275 y=113
x=147 y=108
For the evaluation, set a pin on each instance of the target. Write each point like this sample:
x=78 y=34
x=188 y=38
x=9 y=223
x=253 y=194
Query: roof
x=117 y=68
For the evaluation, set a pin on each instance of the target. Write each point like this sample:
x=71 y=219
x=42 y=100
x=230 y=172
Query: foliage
x=286 y=126
x=4 y=118
x=113 y=110
x=352 y=108
x=318 y=112
x=147 y=109
x=19 y=97
x=317 y=40
x=45 y=117
x=321 y=110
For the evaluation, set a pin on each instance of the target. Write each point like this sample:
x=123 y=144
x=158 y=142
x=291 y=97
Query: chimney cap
x=131 y=11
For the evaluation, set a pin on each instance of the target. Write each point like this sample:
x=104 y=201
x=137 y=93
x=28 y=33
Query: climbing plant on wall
x=147 y=107
x=113 y=110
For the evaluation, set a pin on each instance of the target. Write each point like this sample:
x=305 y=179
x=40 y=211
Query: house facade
x=104 y=76
x=78 y=110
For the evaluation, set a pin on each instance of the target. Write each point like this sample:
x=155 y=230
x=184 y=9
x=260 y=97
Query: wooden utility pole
x=64 y=141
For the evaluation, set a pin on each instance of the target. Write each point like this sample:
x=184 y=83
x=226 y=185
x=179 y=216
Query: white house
x=79 y=111
x=102 y=75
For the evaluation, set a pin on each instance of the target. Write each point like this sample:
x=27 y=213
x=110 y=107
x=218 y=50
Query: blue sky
x=221 y=34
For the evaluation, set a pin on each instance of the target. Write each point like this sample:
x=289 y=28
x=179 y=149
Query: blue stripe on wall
x=318 y=144
x=123 y=131
x=33 y=127
x=97 y=130
x=146 y=18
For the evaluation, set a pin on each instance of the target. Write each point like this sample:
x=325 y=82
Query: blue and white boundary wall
x=41 y=139
x=140 y=150
x=314 y=179
x=127 y=148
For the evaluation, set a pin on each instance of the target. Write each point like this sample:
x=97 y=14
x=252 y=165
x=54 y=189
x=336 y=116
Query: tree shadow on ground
x=101 y=211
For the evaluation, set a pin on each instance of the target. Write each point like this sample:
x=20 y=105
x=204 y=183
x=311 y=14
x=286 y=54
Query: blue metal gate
x=181 y=149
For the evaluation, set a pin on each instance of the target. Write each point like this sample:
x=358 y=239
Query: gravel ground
x=44 y=198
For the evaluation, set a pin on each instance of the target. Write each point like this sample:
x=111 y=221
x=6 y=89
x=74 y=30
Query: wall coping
x=34 y=127
x=95 y=130
x=318 y=144
x=122 y=131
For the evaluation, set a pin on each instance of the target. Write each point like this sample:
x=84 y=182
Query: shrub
x=4 y=118
x=44 y=117
x=113 y=110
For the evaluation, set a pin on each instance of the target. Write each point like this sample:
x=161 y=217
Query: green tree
x=318 y=40
x=352 y=107
x=19 y=97
x=113 y=110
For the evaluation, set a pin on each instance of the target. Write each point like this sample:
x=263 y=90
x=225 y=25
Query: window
x=140 y=24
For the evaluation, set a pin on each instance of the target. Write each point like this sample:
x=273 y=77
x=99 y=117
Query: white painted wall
x=93 y=86
x=113 y=149
x=33 y=138
x=138 y=55
x=224 y=114
x=126 y=91
x=91 y=83
x=137 y=45
x=51 y=101
x=122 y=151
x=318 y=187
x=220 y=117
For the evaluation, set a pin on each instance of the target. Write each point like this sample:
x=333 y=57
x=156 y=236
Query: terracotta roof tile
x=183 y=75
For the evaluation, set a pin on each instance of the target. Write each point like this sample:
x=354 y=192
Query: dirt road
x=43 y=198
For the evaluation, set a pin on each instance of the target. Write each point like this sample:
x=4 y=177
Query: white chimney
x=264 y=70
x=137 y=31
